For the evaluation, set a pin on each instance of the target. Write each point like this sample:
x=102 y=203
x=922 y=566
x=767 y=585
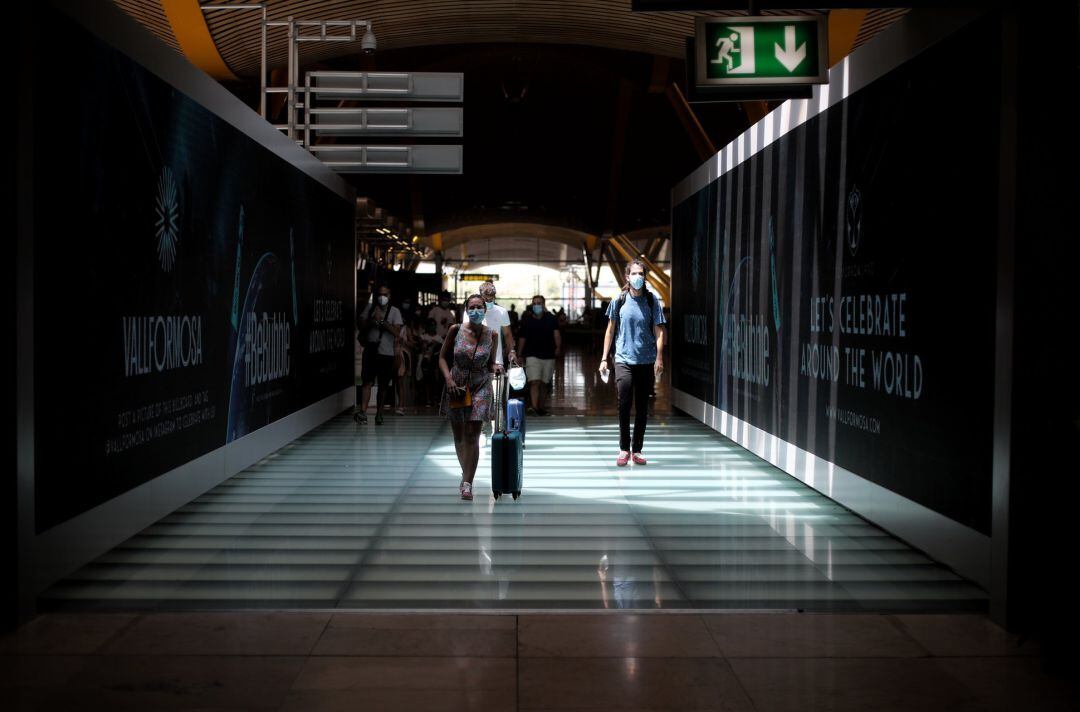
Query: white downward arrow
x=788 y=55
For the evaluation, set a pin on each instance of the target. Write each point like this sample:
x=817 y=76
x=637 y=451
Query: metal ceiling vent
x=329 y=109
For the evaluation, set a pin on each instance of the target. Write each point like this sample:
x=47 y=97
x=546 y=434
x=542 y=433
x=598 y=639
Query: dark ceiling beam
x=755 y=111
x=590 y=283
x=700 y=140
x=656 y=244
x=617 y=265
x=661 y=69
x=623 y=104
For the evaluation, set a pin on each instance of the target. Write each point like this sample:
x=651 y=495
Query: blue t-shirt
x=635 y=342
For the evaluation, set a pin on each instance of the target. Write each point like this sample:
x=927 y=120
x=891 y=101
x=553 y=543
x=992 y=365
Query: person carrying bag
x=467 y=400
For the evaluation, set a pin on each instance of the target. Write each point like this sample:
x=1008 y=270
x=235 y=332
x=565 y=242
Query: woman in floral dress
x=472 y=346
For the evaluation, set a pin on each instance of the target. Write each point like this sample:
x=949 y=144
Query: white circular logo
x=167 y=207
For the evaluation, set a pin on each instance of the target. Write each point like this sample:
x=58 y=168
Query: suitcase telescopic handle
x=498 y=383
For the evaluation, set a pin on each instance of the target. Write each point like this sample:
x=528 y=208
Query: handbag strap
x=472 y=360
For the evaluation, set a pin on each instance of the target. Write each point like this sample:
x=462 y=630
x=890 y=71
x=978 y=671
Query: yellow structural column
x=844 y=26
x=189 y=26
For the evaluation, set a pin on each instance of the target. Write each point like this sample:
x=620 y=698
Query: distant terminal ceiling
x=400 y=24
x=529 y=243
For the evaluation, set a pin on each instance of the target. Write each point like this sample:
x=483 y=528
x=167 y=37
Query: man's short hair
x=540 y=297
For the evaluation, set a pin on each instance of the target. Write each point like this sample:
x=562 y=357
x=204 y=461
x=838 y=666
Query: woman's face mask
x=538 y=309
x=476 y=316
x=383 y=300
x=405 y=305
x=637 y=281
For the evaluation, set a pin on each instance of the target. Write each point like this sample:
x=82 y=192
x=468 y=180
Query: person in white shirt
x=497 y=319
x=378 y=326
x=443 y=314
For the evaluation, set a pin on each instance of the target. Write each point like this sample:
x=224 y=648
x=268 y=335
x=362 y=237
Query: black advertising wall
x=190 y=285
x=694 y=283
x=854 y=315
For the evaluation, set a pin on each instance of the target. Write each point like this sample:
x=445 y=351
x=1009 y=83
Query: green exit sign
x=763 y=51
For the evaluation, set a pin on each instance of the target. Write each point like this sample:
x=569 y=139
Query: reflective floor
x=368 y=517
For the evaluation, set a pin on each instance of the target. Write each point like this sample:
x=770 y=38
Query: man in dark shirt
x=540 y=342
x=513 y=318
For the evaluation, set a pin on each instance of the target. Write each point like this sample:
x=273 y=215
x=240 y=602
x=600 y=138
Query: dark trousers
x=634 y=384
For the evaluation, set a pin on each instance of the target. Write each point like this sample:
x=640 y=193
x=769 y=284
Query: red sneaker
x=624 y=457
x=638 y=459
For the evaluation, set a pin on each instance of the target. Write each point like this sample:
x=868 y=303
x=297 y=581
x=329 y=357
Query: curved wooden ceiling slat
x=876 y=21
x=602 y=23
x=399 y=24
x=151 y=16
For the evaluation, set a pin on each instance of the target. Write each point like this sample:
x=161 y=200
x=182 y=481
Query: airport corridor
x=366 y=517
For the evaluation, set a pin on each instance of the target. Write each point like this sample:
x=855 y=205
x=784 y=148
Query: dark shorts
x=376 y=368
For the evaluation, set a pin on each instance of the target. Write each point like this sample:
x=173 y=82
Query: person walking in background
x=540 y=342
x=379 y=325
x=403 y=359
x=636 y=328
x=513 y=319
x=443 y=314
x=430 y=345
x=407 y=310
x=468 y=400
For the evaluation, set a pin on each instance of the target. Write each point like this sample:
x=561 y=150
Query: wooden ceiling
x=411 y=23
x=553 y=156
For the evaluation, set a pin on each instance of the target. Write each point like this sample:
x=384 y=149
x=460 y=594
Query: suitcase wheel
x=517 y=494
x=497 y=495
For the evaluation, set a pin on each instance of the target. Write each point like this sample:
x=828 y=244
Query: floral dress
x=470 y=362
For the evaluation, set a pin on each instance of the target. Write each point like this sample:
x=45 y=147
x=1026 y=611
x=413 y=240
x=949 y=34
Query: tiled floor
x=368 y=517
x=357 y=661
x=353 y=517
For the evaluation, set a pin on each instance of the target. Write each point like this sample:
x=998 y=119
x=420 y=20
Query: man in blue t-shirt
x=636 y=326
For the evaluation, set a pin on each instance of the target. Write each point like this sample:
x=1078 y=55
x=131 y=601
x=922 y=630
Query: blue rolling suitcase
x=515 y=417
x=507 y=448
